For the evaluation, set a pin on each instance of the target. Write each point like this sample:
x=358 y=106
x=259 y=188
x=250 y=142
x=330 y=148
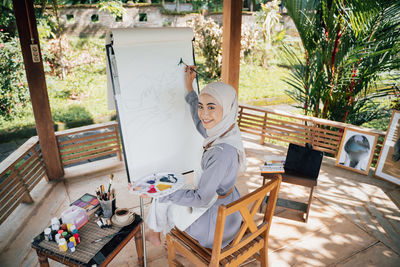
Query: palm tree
x=351 y=49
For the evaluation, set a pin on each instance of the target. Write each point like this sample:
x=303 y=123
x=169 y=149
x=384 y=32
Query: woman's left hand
x=137 y=188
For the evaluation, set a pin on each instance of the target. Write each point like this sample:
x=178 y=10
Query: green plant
x=45 y=28
x=72 y=116
x=250 y=38
x=7 y=18
x=79 y=99
x=268 y=17
x=273 y=34
x=13 y=88
x=349 y=47
x=46 y=32
x=115 y=8
x=395 y=104
x=208 y=40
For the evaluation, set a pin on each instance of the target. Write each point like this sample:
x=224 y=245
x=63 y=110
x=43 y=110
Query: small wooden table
x=297 y=180
x=105 y=255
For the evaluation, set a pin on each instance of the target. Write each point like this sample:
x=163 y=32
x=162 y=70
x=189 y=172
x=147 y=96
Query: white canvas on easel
x=156 y=126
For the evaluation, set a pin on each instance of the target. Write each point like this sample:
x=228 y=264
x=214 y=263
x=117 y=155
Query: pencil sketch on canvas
x=155 y=120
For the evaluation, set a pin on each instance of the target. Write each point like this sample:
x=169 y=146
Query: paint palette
x=158 y=184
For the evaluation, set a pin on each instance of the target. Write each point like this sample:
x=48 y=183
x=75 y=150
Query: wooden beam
x=232 y=22
x=28 y=36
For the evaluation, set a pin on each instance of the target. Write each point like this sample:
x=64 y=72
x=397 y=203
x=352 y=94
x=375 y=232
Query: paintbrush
x=98 y=193
x=182 y=62
x=107 y=236
x=110 y=182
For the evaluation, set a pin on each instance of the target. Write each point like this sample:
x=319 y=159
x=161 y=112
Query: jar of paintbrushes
x=106 y=196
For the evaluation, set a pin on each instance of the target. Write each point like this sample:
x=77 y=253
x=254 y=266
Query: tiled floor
x=354 y=219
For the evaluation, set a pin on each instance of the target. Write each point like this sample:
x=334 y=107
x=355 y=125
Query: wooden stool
x=291 y=204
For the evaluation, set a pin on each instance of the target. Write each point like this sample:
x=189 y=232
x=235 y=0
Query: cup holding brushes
x=104 y=195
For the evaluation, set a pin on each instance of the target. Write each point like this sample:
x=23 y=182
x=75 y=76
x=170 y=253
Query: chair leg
x=309 y=204
x=264 y=255
x=171 y=251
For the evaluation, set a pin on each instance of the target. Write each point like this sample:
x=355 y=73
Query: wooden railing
x=24 y=168
x=19 y=174
x=271 y=124
x=79 y=145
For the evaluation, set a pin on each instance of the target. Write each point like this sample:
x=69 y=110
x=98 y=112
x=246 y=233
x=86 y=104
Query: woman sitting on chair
x=194 y=211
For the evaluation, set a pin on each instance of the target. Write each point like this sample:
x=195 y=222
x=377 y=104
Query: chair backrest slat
x=247 y=238
x=250 y=198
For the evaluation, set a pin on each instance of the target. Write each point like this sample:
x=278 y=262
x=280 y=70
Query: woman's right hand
x=190 y=74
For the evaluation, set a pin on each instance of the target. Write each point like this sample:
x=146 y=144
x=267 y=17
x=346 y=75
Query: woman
x=194 y=211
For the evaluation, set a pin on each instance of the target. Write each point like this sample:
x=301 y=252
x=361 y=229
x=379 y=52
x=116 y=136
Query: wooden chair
x=251 y=240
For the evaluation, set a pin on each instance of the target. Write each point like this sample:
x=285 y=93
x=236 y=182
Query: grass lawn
x=260 y=86
x=257 y=85
x=83 y=94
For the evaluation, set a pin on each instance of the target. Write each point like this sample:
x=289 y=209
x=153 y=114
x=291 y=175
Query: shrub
x=208 y=40
x=115 y=8
x=395 y=104
x=268 y=18
x=13 y=87
x=46 y=31
x=251 y=34
x=72 y=116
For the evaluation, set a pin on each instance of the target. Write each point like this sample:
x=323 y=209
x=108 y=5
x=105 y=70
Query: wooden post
x=232 y=22
x=28 y=36
x=263 y=130
x=240 y=116
x=119 y=153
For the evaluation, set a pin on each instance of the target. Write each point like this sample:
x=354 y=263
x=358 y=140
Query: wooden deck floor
x=354 y=219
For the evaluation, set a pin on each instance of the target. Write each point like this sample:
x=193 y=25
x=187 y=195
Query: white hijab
x=227 y=98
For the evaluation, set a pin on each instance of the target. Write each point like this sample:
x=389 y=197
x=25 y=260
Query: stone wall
x=89 y=21
x=186 y=7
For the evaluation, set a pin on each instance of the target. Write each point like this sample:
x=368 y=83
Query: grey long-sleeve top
x=220 y=165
